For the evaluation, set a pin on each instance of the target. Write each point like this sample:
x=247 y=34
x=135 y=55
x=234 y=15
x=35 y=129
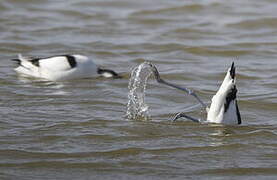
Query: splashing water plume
x=136 y=107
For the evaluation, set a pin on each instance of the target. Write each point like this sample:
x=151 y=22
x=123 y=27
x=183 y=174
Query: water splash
x=136 y=107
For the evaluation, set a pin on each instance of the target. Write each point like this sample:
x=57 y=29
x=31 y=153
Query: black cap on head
x=107 y=73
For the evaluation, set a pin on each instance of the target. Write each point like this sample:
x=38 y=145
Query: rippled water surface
x=78 y=129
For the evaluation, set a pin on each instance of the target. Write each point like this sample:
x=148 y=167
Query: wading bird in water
x=224 y=107
x=61 y=67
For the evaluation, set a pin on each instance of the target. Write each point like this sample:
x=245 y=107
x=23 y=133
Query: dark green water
x=78 y=129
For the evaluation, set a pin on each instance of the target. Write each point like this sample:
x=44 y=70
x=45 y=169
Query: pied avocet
x=224 y=107
x=61 y=67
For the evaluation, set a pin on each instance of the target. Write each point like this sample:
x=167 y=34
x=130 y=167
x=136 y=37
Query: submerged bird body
x=61 y=67
x=224 y=108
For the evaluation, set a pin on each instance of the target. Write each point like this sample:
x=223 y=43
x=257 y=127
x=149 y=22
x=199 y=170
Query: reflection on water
x=49 y=87
x=50 y=129
x=219 y=134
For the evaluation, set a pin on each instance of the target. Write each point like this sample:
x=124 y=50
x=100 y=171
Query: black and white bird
x=61 y=67
x=224 y=107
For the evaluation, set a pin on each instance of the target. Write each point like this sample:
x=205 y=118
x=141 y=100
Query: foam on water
x=136 y=107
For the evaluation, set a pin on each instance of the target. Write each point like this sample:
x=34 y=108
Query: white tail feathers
x=23 y=58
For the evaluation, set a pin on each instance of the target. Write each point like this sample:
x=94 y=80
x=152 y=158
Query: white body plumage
x=224 y=108
x=61 y=67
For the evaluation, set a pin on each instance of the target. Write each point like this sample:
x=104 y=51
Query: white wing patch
x=58 y=63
